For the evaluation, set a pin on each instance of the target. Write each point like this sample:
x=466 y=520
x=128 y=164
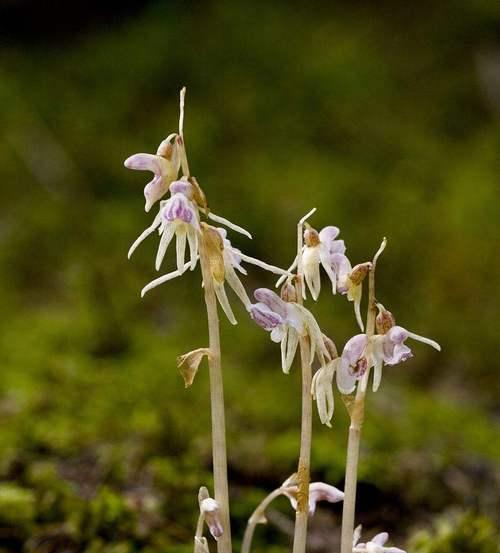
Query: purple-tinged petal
x=264 y=316
x=380 y=539
x=211 y=511
x=328 y=234
x=397 y=334
x=319 y=491
x=179 y=208
x=272 y=300
x=181 y=187
x=354 y=348
x=143 y=162
x=337 y=246
x=154 y=191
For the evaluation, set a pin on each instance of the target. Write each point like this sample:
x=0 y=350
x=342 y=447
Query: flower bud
x=198 y=194
x=210 y=510
x=311 y=237
x=384 y=320
x=288 y=292
x=359 y=272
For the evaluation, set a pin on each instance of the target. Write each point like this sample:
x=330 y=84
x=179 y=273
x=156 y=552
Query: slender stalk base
x=351 y=477
x=303 y=472
x=258 y=516
x=221 y=492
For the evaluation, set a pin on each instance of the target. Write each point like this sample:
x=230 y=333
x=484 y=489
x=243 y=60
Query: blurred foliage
x=460 y=534
x=383 y=116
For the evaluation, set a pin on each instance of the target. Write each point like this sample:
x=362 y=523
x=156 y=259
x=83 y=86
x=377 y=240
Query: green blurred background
x=385 y=117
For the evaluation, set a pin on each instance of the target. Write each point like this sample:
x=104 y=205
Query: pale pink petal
x=144 y=162
x=328 y=234
x=264 y=316
x=272 y=300
x=319 y=491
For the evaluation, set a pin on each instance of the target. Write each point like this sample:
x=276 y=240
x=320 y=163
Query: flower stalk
x=304 y=466
x=356 y=412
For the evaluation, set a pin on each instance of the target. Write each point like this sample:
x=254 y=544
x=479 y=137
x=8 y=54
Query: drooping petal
x=181 y=247
x=192 y=236
x=424 y=340
x=161 y=280
x=319 y=491
x=154 y=191
x=263 y=265
x=228 y=224
x=322 y=391
x=220 y=292
x=291 y=349
x=378 y=360
x=310 y=266
x=326 y=263
x=235 y=283
x=265 y=317
x=272 y=300
x=166 y=238
x=145 y=234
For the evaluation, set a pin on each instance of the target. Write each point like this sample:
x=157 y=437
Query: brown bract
x=213 y=244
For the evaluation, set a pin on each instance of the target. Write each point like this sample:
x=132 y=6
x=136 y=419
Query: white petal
x=263 y=265
x=289 y=270
x=192 y=236
x=220 y=292
x=310 y=267
x=166 y=238
x=235 y=283
x=228 y=224
x=181 y=247
x=157 y=281
x=291 y=349
x=356 y=535
x=346 y=382
x=145 y=234
x=424 y=340
x=327 y=266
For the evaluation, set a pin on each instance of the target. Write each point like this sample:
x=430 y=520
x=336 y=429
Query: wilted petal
x=189 y=362
x=272 y=300
x=319 y=491
x=235 y=283
x=211 y=511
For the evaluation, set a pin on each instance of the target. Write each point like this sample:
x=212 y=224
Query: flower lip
x=272 y=300
x=264 y=316
x=178 y=208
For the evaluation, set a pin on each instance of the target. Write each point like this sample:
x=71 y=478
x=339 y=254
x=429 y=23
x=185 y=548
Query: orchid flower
x=287 y=322
x=164 y=165
x=375 y=545
x=361 y=353
x=226 y=260
x=318 y=491
x=178 y=216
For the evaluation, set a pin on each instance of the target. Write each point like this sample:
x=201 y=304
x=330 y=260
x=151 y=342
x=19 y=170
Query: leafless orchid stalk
x=381 y=342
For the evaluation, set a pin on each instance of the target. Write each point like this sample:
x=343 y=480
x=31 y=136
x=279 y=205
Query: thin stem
x=217 y=405
x=257 y=517
x=219 y=455
x=357 y=417
x=304 y=468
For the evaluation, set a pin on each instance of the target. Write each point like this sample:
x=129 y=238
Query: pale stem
x=304 y=468
x=221 y=491
x=257 y=517
x=357 y=416
x=219 y=455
